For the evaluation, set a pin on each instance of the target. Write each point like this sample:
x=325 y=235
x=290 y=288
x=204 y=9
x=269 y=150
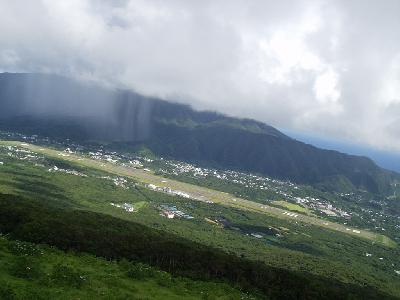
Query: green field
x=213 y=195
x=309 y=247
x=29 y=271
x=292 y=206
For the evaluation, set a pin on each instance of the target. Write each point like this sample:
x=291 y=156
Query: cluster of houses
x=245 y=179
x=173 y=192
x=120 y=182
x=168 y=190
x=135 y=163
x=19 y=136
x=322 y=206
x=126 y=206
x=99 y=155
x=284 y=188
x=71 y=172
x=117 y=181
x=20 y=153
x=121 y=159
x=170 y=212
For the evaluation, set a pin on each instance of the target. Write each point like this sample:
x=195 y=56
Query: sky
x=331 y=68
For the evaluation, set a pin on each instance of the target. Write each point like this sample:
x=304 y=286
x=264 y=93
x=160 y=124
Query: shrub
x=67 y=275
x=25 y=267
x=6 y=291
x=140 y=271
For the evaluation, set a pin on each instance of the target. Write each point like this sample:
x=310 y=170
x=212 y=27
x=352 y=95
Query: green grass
x=303 y=247
x=139 y=205
x=29 y=271
x=292 y=207
x=216 y=196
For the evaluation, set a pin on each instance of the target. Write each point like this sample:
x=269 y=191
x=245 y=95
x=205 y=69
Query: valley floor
x=200 y=193
x=81 y=204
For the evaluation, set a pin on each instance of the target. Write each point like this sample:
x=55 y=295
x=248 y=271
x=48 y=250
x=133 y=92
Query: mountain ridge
x=60 y=107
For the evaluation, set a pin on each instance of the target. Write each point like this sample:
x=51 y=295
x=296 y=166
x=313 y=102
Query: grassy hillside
x=146 y=177
x=292 y=259
x=31 y=271
x=116 y=239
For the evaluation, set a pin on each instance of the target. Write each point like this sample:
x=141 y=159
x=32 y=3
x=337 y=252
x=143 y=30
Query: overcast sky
x=328 y=67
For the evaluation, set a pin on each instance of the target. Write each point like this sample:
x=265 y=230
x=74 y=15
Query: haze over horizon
x=330 y=68
x=384 y=159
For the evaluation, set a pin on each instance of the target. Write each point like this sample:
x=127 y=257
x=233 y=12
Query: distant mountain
x=63 y=108
x=384 y=158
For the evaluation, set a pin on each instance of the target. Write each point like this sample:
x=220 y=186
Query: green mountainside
x=232 y=253
x=62 y=108
x=31 y=271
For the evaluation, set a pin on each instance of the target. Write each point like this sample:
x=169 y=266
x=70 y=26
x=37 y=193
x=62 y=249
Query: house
x=152 y=186
x=168 y=214
x=128 y=207
x=68 y=150
x=256 y=235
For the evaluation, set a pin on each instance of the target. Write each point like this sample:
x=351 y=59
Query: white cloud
x=391 y=86
x=326 y=86
x=8 y=57
x=312 y=65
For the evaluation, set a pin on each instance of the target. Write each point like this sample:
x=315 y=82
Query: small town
x=126 y=206
x=375 y=219
x=171 y=212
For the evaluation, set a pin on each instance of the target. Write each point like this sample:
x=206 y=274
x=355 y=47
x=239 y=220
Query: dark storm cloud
x=331 y=67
